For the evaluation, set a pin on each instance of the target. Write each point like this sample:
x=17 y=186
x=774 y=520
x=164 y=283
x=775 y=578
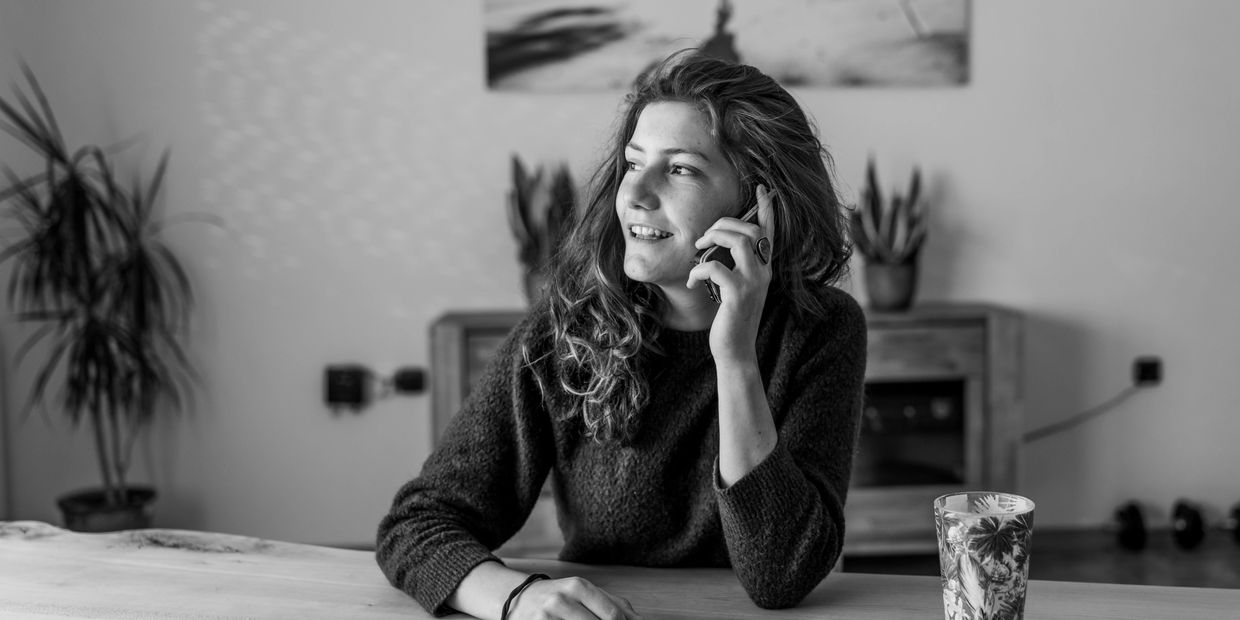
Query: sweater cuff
x=760 y=491
x=444 y=572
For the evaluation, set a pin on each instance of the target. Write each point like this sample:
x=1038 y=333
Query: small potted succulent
x=889 y=234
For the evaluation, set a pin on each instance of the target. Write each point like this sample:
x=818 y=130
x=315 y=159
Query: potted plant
x=540 y=209
x=889 y=235
x=109 y=299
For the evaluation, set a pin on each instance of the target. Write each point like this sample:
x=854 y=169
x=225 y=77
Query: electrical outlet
x=344 y=385
x=1146 y=371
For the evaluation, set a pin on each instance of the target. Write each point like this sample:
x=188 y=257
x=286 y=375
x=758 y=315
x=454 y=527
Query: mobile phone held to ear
x=723 y=255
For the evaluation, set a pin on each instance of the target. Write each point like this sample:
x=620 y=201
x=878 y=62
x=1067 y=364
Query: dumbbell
x=1188 y=527
x=1130 y=526
x=1189 y=524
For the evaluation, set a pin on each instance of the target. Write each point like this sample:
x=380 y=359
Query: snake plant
x=889 y=231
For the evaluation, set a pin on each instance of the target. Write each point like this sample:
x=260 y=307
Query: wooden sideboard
x=967 y=357
x=975 y=349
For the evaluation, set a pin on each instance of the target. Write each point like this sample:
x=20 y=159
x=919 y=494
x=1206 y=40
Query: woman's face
x=676 y=185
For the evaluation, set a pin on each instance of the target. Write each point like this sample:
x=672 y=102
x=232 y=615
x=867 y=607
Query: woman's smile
x=646 y=233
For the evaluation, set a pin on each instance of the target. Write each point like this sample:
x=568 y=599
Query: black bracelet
x=503 y=615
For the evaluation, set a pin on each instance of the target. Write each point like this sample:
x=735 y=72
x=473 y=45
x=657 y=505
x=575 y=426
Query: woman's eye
x=628 y=165
x=682 y=170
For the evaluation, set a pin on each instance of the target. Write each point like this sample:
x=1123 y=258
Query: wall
x=1083 y=176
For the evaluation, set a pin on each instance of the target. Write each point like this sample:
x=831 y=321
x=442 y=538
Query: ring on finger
x=763 y=249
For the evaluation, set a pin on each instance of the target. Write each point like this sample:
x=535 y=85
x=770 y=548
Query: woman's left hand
x=743 y=288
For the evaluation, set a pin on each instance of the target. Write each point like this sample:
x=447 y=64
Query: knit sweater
x=654 y=499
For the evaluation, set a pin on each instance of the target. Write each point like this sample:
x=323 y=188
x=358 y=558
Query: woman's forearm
x=482 y=592
x=747 y=432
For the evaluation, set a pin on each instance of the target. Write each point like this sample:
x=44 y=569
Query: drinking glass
x=983 y=554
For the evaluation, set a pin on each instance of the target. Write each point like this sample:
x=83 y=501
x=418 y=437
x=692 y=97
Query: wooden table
x=47 y=572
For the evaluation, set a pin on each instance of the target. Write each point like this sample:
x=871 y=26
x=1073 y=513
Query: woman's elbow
x=789 y=589
x=782 y=599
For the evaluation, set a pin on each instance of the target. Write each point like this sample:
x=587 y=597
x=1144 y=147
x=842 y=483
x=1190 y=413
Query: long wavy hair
x=600 y=320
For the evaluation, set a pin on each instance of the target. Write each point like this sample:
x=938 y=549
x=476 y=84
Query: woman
x=681 y=431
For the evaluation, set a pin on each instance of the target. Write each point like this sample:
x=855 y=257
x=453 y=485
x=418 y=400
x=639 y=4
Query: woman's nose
x=637 y=191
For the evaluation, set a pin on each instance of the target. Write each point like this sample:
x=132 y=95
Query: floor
x=1088 y=555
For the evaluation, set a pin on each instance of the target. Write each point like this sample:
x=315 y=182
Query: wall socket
x=1146 y=371
x=344 y=385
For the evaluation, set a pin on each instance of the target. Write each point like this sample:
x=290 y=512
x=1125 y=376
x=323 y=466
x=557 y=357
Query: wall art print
x=601 y=45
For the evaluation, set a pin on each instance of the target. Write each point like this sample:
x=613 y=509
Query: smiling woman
x=679 y=430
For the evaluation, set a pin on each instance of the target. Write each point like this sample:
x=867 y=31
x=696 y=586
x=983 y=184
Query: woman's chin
x=637 y=275
x=636 y=268
x=655 y=270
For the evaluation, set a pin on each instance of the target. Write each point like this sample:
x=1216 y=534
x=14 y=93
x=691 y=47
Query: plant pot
x=88 y=510
x=891 y=286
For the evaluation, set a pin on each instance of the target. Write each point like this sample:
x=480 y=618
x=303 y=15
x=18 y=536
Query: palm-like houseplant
x=889 y=235
x=110 y=302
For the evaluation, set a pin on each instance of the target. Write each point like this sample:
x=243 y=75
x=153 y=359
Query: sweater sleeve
x=784 y=520
x=477 y=487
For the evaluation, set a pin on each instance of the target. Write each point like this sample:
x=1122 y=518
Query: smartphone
x=723 y=255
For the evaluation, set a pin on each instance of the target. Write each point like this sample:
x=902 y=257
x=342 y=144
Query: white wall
x=1085 y=176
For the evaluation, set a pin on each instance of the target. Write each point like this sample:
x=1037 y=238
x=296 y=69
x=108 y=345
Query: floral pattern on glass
x=984 y=554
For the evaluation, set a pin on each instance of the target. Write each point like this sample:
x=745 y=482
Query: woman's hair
x=600 y=319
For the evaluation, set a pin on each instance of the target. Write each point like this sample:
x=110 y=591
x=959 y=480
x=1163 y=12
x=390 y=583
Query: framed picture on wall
x=575 y=45
x=462 y=344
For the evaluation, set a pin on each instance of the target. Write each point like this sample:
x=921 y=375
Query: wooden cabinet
x=461 y=345
x=943 y=390
x=950 y=376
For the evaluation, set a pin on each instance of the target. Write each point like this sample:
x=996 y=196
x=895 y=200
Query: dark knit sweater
x=655 y=499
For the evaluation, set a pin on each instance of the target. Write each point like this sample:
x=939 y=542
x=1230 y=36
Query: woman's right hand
x=572 y=598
